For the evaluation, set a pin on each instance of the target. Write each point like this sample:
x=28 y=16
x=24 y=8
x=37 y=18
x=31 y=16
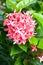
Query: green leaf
x=24 y=3
x=36 y=7
x=24 y=47
x=15 y=50
x=18 y=0
x=39 y=17
x=18 y=61
x=11 y=4
x=41 y=5
x=33 y=40
x=39 y=31
x=35 y=62
x=1 y=12
x=40 y=45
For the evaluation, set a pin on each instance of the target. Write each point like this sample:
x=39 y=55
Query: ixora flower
x=33 y=48
x=40 y=58
x=20 y=27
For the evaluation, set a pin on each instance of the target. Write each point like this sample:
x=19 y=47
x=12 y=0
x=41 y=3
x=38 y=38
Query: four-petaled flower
x=33 y=48
x=40 y=58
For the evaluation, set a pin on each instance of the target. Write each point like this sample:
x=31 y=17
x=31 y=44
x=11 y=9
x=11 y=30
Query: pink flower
x=40 y=58
x=33 y=48
x=20 y=27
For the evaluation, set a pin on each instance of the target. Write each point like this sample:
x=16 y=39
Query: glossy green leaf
x=33 y=40
x=24 y=3
x=23 y=47
x=15 y=50
x=39 y=17
x=11 y=4
x=40 y=45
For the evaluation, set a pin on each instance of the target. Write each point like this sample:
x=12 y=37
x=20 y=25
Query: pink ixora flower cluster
x=20 y=27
